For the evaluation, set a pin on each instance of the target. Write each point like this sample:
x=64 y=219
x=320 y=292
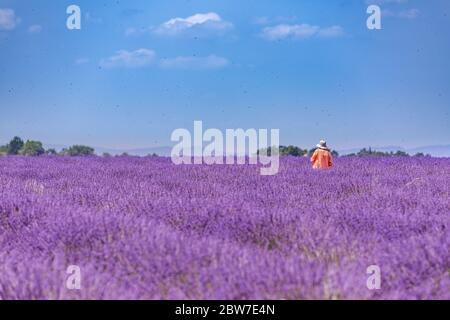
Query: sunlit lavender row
x=143 y=228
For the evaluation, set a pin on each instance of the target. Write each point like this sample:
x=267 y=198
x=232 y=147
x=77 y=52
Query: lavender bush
x=143 y=228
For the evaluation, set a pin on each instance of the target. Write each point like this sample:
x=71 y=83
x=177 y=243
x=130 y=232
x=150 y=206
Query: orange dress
x=322 y=159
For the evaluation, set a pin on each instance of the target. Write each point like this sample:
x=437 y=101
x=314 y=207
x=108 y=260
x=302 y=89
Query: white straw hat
x=322 y=144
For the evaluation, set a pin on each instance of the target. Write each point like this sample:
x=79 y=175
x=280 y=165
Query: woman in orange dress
x=322 y=159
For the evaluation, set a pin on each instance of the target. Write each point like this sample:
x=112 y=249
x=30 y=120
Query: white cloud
x=138 y=31
x=145 y=57
x=211 y=22
x=81 y=61
x=300 y=31
x=261 y=20
x=274 y=20
x=93 y=19
x=35 y=29
x=282 y=31
x=409 y=14
x=131 y=31
x=404 y=14
x=208 y=62
x=331 y=32
x=129 y=59
x=8 y=19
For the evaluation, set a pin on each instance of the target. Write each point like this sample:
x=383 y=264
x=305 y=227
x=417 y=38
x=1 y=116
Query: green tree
x=421 y=154
x=32 y=148
x=401 y=154
x=78 y=150
x=284 y=151
x=51 y=152
x=369 y=152
x=3 y=150
x=292 y=151
x=334 y=153
x=14 y=146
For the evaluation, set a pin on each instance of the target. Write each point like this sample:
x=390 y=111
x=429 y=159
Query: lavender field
x=143 y=228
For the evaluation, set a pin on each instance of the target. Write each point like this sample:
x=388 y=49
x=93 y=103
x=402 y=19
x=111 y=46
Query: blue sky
x=137 y=70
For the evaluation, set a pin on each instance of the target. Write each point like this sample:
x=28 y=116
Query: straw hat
x=322 y=145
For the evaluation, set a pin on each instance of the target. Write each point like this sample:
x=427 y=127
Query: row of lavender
x=147 y=229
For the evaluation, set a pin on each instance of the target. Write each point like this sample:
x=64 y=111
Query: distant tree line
x=35 y=148
x=291 y=151
x=365 y=152
x=373 y=153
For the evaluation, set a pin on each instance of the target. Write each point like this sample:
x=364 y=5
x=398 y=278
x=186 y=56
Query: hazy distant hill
x=436 y=151
x=161 y=151
x=383 y=149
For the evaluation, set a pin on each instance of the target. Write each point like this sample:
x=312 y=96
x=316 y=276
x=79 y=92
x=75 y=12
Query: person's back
x=322 y=159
